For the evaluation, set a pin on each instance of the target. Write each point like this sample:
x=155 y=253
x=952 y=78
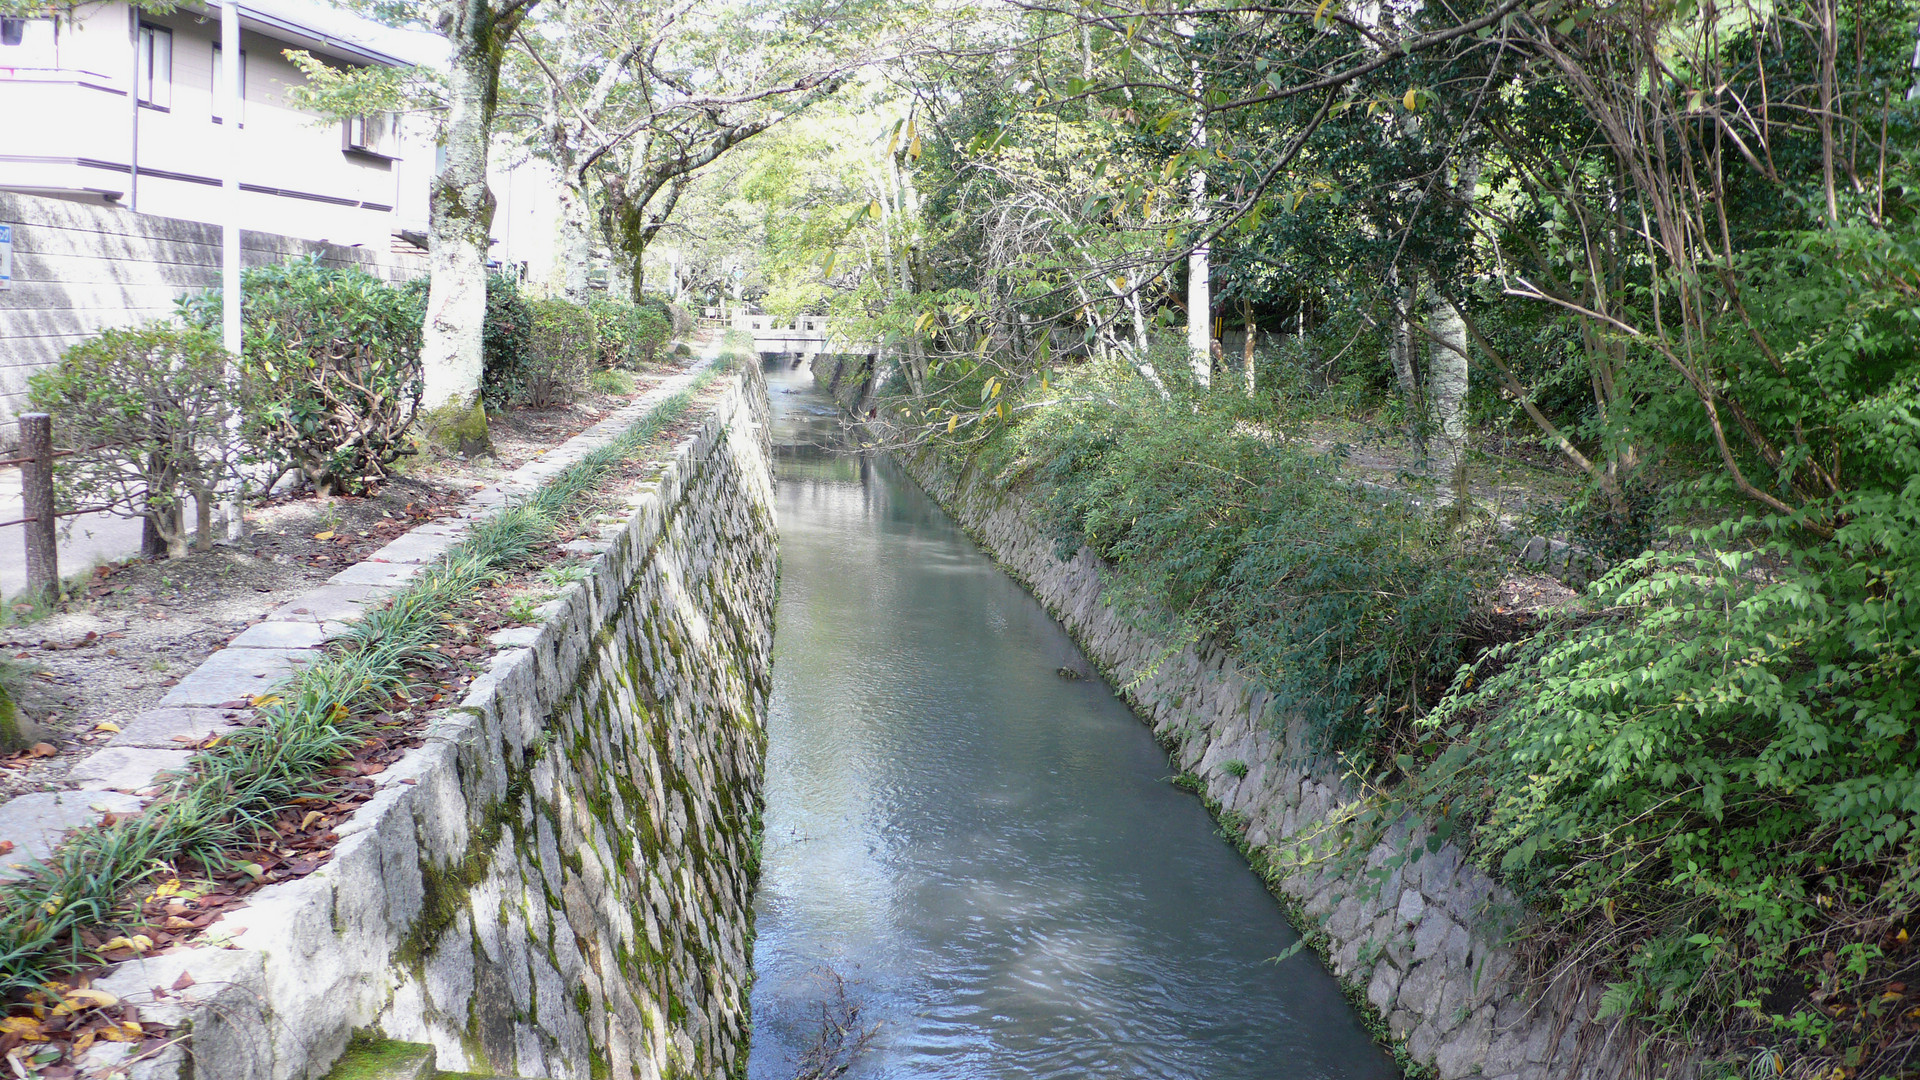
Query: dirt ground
x=143 y=625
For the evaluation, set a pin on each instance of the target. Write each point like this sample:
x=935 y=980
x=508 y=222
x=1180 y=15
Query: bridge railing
x=770 y=325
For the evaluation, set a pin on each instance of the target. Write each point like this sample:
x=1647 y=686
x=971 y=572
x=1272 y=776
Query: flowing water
x=985 y=859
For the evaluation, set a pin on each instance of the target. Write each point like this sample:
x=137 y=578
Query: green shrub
x=628 y=335
x=610 y=382
x=506 y=343
x=1715 y=785
x=331 y=381
x=561 y=350
x=1347 y=605
x=148 y=411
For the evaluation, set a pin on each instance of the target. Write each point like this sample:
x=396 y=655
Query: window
x=371 y=133
x=220 y=86
x=30 y=41
x=153 y=66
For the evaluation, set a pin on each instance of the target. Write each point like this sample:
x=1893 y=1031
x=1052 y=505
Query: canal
x=975 y=859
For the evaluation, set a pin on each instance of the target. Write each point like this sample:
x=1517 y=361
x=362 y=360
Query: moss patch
x=371 y=1057
x=458 y=428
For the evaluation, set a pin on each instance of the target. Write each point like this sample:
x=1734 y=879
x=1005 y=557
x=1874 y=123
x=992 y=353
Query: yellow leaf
x=328 y=535
x=952 y=422
x=1321 y=10
x=261 y=701
x=24 y=1026
x=1411 y=100
x=81 y=1044
x=107 y=725
x=307 y=822
x=76 y=1000
x=167 y=888
x=914 y=150
x=138 y=943
x=873 y=209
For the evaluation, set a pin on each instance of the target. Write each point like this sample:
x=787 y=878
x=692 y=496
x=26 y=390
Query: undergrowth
x=1346 y=604
x=302 y=727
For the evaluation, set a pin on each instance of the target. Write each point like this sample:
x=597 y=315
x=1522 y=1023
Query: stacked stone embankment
x=557 y=882
x=1428 y=943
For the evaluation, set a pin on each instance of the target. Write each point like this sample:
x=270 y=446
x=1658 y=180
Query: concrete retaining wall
x=1428 y=941
x=557 y=882
x=79 y=269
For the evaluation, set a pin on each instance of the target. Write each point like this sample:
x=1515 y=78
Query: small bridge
x=806 y=335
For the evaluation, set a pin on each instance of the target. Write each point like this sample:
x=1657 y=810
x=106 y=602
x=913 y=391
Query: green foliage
x=1717 y=781
x=506 y=342
x=1347 y=605
x=629 y=335
x=147 y=410
x=610 y=381
x=331 y=378
x=561 y=349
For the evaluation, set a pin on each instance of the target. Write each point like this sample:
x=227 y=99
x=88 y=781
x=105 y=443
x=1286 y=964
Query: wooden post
x=36 y=488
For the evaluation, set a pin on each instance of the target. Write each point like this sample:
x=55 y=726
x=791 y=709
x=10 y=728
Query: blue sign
x=6 y=256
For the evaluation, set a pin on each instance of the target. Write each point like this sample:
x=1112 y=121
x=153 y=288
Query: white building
x=114 y=105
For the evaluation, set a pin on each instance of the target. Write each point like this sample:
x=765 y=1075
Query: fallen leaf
x=185 y=980
x=41 y=749
x=328 y=535
x=75 y=1000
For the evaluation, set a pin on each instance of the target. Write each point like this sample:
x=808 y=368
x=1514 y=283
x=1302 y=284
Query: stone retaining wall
x=1430 y=943
x=557 y=883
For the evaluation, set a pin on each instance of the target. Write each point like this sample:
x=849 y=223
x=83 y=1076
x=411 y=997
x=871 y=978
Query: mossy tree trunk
x=462 y=207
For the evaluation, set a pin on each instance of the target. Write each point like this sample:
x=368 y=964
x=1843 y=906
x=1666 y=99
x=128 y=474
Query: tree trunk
x=1447 y=356
x=1246 y=361
x=1447 y=382
x=1405 y=288
x=461 y=211
x=576 y=241
x=1199 y=283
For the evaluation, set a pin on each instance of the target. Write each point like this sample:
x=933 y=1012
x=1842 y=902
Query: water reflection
x=986 y=853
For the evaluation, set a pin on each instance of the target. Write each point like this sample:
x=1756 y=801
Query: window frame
x=146 y=88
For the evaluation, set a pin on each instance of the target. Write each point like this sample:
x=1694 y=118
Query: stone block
x=283 y=635
x=331 y=603
x=1384 y=987
x=127 y=768
x=376 y=573
x=235 y=674
x=173 y=729
x=421 y=545
x=35 y=822
x=1412 y=905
